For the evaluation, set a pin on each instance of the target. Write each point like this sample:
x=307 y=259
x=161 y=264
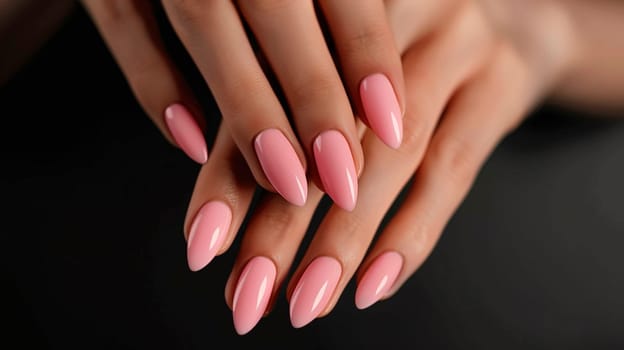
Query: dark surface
x=93 y=255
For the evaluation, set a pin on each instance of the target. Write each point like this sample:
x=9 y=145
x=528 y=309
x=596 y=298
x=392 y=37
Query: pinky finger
x=130 y=30
x=479 y=115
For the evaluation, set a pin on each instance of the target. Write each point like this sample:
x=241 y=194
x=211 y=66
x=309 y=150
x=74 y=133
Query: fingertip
x=207 y=234
x=336 y=168
x=282 y=166
x=186 y=132
x=382 y=109
x=378 y=279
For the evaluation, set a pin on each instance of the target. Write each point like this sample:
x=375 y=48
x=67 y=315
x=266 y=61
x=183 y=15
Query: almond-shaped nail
x=208 y=231
x=378 y=279
x=252 y=293
x=336 y=168
x=186 y=132
x=382 y=109
x=313 y=290
x=282 y=166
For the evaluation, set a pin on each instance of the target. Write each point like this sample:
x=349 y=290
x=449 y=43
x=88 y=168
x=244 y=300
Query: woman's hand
x=292 y=42
x=473 y=71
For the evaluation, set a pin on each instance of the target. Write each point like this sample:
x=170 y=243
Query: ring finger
x=471 y=128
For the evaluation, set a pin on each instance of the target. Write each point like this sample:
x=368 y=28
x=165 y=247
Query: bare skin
x=473 y=69
x=471 y=77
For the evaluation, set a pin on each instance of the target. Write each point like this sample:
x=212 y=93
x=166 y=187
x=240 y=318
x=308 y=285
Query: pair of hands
x=465 y=72
x=294 y=49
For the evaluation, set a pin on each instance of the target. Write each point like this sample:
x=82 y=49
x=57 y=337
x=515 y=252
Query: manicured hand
x=282 y=143
x=472 y=74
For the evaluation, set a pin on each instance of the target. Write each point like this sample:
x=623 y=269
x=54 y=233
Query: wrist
x=594 y=79
x=543 y=34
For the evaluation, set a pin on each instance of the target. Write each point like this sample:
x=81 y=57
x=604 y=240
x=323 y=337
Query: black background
x=93 y=254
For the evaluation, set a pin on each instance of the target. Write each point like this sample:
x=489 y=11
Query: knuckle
x=419 y=238
x=241 y=96
x=231 y=194
x=367 y=42
x=354 y=233
x=456 y=158
x=314 y=90
x=416 y=134
x=280 y=218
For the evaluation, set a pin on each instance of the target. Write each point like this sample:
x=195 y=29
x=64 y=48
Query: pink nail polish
x=313 y=290
x=382 y=109
x=186 y=132
x=336 y=169
x=378 y=279
x=252 y=294
x=208 y=231
x=281 y=166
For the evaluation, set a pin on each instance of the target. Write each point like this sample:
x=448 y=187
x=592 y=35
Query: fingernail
x=208 y=231
x=252 y=294
x=336 y=169
x=382 y=109
x=313 y=290
x=378 y=279
x=186 y=132
x=281 y=166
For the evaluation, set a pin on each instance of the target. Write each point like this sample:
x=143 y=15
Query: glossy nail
x=252 y=294
x=336 y=168
x=382 y=109
x=281 y=166
x=208 y=231
x=378 y=279
x=186 y=132
x=313 y=290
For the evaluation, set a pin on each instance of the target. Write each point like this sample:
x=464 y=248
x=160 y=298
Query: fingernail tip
x=242 y=329
x=391 y=142
x=195 y=268
x=299 y=323
x=296 y=201
x=347 y=206
x=364 y=304
x=204 y=156
x=186 y=133
x=299 y=201
x=296 y=319
x=399 y=140
x=195 y=265
x=200 y=159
